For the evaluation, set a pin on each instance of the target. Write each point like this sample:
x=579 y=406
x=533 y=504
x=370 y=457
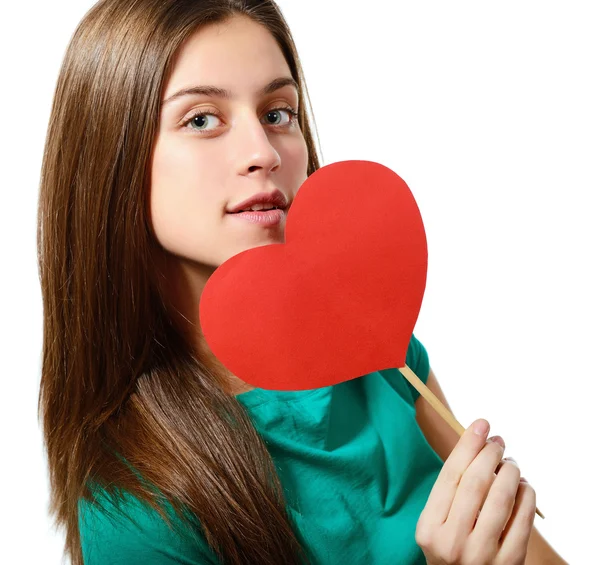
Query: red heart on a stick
x=339 y=299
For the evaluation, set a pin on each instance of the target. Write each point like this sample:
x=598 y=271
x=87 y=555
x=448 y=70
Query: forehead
x=239 y=54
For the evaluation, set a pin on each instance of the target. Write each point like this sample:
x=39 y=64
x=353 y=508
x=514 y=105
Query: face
x=212 y=153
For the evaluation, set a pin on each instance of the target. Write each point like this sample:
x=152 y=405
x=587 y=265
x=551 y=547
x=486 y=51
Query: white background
x=490 y=113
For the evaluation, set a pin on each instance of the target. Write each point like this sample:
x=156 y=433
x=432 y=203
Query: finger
x=505 y=460
x=444 y=489
x=498 y=506
x=474 y=487
x=515 y=538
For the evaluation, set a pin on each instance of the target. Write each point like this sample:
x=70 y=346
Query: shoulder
x=417 y=360
x=121 y=529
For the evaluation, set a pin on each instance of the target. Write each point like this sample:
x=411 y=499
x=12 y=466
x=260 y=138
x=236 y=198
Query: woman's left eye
x=202 y=117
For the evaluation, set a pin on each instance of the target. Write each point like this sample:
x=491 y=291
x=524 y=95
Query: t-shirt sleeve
x=418 y=360
x=137 y=535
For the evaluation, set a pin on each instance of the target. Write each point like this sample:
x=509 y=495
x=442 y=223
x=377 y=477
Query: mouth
x=249 y=210
x=262 y=201
x=267 y=217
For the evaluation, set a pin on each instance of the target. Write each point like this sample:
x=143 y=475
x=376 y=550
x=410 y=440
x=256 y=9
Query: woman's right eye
x=199 y=117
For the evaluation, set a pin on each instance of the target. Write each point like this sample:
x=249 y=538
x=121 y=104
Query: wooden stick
x=438 y=406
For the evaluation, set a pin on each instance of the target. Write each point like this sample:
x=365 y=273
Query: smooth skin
x=475 y=479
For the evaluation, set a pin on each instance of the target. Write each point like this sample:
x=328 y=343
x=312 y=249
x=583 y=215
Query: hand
x=473 y=516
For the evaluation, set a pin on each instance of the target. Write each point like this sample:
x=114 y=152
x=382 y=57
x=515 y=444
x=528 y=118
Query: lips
x=256 y=211
x=265 y=218
x=275 y=199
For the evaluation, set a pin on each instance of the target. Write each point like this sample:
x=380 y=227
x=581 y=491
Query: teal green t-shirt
x=354 y=465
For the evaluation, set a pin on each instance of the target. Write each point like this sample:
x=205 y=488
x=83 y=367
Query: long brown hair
x=124 y=404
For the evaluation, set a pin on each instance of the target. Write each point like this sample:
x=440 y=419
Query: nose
x=255 y=146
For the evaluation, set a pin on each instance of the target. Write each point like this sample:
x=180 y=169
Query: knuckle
x=495 y=448
x=502 y=501
x=528 y=490
x=423 y=539
x=530 y=493
x=475 y=483
x=528 y=513
x=478 y=557
x=448 y=545
x=512 y=559
x=527 y=504
x=450 y=476
x=530 y=516
x=424 y=535
x=453 y=553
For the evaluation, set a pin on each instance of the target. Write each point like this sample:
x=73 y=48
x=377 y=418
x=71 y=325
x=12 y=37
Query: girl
x=168 y=116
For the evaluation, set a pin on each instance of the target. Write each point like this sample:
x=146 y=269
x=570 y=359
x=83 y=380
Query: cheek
x=297 y=150
x=294 y=154
x=297 y=156
x=181 y=206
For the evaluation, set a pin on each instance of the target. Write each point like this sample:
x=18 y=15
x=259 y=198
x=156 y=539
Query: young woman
x=168 y=116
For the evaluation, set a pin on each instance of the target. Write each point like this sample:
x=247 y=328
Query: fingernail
x=524 y=480
x=498 y=440
x=481 y=427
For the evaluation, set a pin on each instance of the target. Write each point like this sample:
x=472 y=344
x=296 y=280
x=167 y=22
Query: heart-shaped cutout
x=339 y=299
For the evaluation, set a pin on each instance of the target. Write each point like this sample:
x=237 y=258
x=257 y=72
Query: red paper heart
x=339 y=299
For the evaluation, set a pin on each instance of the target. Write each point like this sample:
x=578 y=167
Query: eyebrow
x=217 y=92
